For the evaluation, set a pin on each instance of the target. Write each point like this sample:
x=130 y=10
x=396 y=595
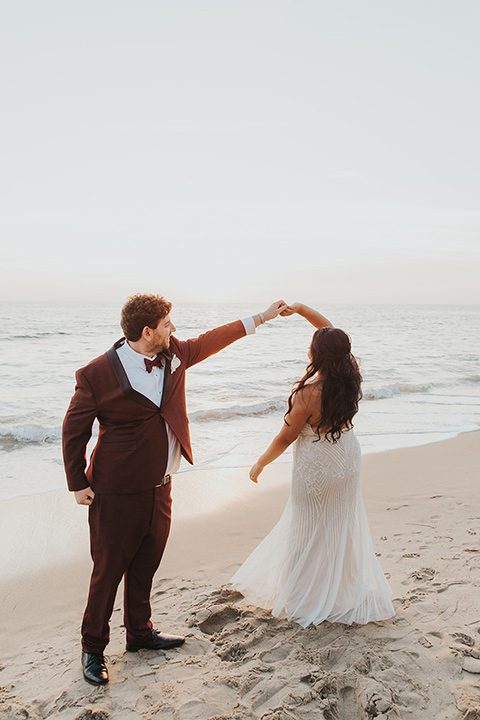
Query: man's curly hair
x=142 y=311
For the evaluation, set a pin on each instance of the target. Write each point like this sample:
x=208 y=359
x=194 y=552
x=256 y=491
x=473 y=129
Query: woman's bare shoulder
x=310 y=393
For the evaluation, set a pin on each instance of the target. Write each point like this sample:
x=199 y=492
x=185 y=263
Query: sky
x=221 y=151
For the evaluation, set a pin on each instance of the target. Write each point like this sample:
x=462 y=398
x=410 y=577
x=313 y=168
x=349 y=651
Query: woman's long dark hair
x=340 y=380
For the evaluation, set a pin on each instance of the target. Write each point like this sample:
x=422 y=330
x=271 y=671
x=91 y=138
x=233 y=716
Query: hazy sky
x=241 y=150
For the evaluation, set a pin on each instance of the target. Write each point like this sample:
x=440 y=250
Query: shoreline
x=195 y=490
x=286 y=459
x=238 y=662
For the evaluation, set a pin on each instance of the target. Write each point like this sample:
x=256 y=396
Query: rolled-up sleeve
x=249 y=325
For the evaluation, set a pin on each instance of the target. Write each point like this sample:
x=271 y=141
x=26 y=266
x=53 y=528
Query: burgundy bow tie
x=156 y=362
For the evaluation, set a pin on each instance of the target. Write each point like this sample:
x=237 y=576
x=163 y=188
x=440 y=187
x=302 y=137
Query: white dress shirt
x=150 y=384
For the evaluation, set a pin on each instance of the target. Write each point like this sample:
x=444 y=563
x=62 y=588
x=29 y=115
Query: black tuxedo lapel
x=123 y=380
x=167 y=379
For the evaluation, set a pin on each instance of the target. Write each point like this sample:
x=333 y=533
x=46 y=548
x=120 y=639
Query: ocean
x=420 y=364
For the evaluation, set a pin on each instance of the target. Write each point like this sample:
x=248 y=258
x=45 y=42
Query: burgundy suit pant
x=128 y=534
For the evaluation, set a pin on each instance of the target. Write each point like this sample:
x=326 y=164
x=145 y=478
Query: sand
x=238 y=662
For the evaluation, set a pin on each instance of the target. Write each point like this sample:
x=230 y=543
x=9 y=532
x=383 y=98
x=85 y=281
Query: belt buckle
x=165 y=480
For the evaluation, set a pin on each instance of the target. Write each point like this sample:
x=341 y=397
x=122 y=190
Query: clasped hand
x=280 y=307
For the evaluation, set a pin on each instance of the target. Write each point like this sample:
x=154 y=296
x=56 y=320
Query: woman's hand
x=291 y=309
x=314 y=318
x=255 y=471
x=274 y=310
x=298 y=416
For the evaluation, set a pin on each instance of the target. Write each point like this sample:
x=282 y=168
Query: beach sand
x=238 y=662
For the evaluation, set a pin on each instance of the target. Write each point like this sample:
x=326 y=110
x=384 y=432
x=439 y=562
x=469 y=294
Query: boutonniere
x=176 y=362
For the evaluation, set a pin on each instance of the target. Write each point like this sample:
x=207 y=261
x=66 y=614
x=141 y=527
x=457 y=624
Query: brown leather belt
x=165 y=481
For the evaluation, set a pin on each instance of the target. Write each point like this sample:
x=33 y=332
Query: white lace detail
x=338 y=462
x=318 y=562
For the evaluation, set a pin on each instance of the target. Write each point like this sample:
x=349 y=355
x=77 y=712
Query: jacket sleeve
x=211 y=342
x=77 y=431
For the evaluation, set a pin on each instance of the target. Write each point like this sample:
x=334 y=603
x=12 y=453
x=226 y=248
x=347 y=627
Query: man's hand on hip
x=85 y=496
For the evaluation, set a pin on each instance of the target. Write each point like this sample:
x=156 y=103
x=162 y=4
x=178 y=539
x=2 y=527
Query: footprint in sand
x=234 y=641
x=464 y=639
x=341 y=697
x=426 y=574
x=217 y=619
x=211 y=620
x=225 y=595
x=349 y=703
x=431 y=639
x=233 y=652
x=248 y=681
x=276 y=654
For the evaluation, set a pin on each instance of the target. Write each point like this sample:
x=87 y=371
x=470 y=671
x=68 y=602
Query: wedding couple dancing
x=317 y=563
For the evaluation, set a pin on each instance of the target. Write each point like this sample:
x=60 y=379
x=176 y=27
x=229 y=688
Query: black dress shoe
x=155 y=641
x=94 y=668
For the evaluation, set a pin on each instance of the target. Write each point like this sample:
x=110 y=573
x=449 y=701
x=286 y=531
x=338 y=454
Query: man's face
x=159 y=338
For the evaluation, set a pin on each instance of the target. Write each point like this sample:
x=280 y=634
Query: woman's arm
x=297 y=418
x=314 y=318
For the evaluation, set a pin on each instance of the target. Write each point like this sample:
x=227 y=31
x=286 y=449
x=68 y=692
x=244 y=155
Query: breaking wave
x=396 y=389
x=472 y=379
x=29 y=435
x=229 y=413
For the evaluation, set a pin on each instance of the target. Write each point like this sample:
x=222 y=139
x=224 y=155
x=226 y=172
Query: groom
x=136 y=391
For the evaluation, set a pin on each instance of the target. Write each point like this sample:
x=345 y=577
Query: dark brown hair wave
x=340 y=380
x=142 y=311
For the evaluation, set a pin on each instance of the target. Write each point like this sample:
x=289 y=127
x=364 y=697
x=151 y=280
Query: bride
x=318 y=562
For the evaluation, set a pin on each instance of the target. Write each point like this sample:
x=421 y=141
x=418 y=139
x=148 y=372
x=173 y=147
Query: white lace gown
x=318 y=562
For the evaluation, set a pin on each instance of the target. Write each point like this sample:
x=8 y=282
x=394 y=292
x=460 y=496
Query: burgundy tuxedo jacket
x=131 y=453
